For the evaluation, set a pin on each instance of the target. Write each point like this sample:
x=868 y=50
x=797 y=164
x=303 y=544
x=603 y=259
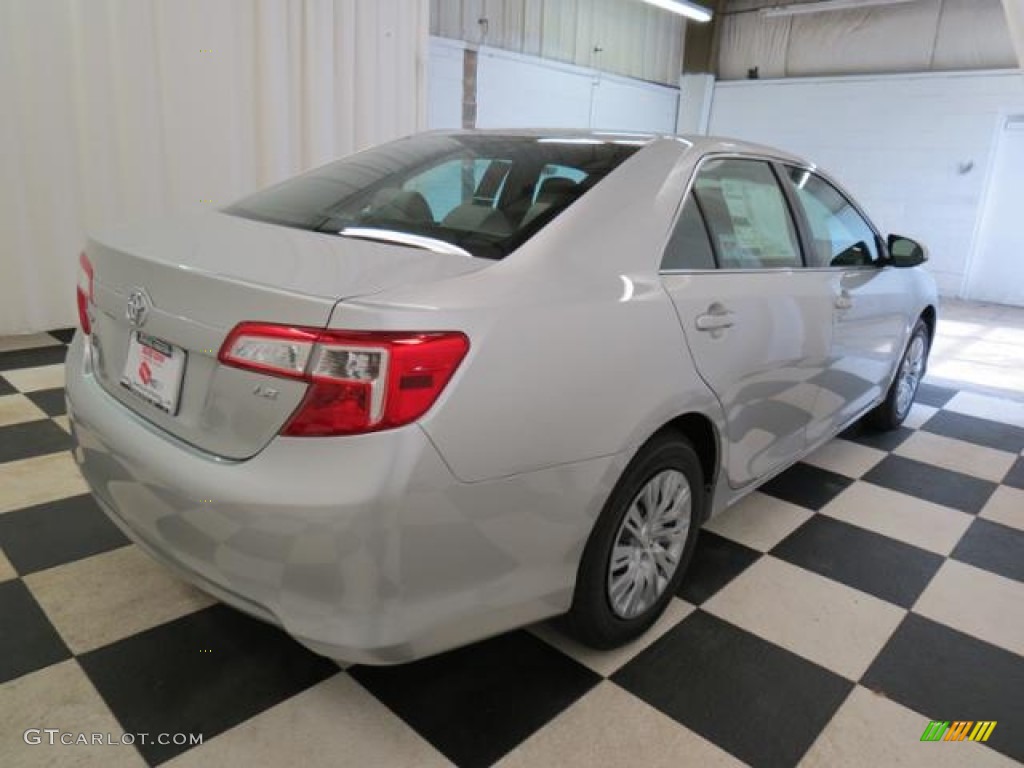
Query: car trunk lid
x=179 y=286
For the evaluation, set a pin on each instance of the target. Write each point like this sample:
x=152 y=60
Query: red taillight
x=83 y=292
x=359 y=381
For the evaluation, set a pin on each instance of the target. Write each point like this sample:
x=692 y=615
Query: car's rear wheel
x=641 y=545
x=892 y=411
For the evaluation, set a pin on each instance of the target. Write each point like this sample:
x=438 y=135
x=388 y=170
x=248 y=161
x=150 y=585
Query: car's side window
x=842 y=238
x=747 y=215
x=689 y=246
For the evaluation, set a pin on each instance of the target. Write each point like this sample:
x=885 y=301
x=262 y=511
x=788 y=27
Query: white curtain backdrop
x=118 y=109
x=928 y=35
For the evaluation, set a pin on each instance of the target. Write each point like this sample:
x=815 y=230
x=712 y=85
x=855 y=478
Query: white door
x=997 y=273
x=870 y=315
x=759 y=325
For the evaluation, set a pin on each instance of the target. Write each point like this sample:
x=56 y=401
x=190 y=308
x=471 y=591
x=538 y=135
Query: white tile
x=37 y=480
x=919 y=414
x=1006 y=506
x=17 y=409
x=63 y=423
x=32 y=379
x=871 y=730
x=94 y=601
x=611 y=727
x=606 y=662
x=59 y=696
x=845 y=457
x=824 y=621
x=987 y=407
x=957 y=455
x=899 y=516
x=977 y=602
x=7 y=571
x=27 y=341
x=334 y=723
x=759 y=521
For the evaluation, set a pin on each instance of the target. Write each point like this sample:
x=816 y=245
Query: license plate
x=153 y=370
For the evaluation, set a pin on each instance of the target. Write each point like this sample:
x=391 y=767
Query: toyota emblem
x=138 y=307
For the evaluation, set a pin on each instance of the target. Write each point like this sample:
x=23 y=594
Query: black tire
x=889 y=414
x=592 y=619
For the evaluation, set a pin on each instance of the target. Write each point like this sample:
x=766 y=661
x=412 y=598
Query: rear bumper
x=365 y=549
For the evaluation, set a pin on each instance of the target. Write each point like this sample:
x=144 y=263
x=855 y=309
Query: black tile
x=35 y=538
x=1015 y=476
x=477 y=703
x=31 y=358
x=5 y=387
x=947 y=675
x=994 y=547
x=992 y=434
x=27 y=639
x=931 y=483
x=935 y=396
x=808 y=486
x=63 y=335
x=716 y=561
x=861 y=559
x=203 y=673
x=883 y=440
x=32 y=438
x=51 y=401
x=753 y=699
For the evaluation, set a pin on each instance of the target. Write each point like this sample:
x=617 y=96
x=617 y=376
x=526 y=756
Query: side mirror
x=904 y=252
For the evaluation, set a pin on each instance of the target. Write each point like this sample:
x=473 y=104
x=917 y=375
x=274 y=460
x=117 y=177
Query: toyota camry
x=465 y=381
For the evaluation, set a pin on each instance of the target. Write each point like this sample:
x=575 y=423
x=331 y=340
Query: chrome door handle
x=844 y=301
x=716 y=318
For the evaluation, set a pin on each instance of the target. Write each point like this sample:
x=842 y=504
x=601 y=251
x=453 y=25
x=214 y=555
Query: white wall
x=517 y=91
x=627 y=37
x=444 y=84
x=915 y=150
x=130 y=108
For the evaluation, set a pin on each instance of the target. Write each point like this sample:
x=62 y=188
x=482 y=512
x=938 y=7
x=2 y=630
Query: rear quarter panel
x=576 y=352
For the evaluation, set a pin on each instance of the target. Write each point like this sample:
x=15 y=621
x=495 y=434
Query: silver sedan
x=466 y=381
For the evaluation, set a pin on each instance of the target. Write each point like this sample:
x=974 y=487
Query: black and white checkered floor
x=825 y=621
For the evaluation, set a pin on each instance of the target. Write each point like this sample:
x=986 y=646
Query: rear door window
x=747 y=215
x=689 y=246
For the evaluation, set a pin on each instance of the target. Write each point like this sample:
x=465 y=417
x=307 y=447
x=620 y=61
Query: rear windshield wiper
x=405 y=238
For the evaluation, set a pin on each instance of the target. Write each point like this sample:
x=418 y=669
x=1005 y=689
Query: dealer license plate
x=153 y=370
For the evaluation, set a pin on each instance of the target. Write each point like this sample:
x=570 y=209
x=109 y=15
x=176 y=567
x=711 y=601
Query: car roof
x=699 y=144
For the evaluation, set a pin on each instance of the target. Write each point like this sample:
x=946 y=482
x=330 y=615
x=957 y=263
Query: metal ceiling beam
x=823 y=6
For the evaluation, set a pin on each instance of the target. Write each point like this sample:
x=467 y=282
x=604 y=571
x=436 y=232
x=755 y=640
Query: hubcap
x=649 y=543
x=910 y=375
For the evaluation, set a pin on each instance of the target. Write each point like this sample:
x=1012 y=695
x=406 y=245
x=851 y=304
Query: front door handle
x=844 y=300
x=715 y=319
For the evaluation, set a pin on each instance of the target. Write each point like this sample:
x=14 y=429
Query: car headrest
x=478 y=218
x=555 y=187
x=402 y=204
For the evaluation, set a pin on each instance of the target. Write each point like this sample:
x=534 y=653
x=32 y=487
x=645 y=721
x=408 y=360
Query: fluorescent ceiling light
x=683 y=8
x=799 y=9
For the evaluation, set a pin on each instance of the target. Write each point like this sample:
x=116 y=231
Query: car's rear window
x=483 y=193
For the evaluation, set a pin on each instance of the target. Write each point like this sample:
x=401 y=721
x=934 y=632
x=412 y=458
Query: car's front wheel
x=641 y=545
x=892 y=411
